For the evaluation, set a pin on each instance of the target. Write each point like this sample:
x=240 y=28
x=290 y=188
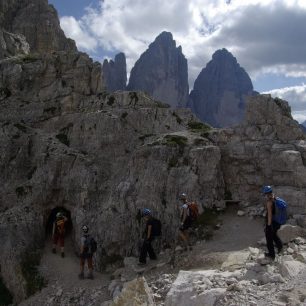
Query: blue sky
x=268 y=37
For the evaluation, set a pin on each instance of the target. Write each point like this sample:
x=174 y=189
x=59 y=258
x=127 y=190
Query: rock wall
x=38 y=22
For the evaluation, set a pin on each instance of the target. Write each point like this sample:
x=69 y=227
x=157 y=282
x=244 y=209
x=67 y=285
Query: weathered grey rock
x=220 y=90
x=235 y=260
x=288 y=232
x=161 y=71
x=114 y=73
x=38 y=22
x=135 y=293
x=12 y=44
x=291 y=268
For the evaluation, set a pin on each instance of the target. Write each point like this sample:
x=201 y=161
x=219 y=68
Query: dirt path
x=64 y=287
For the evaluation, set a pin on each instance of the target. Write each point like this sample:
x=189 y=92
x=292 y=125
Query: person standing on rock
x=186 y=221
x=88 y=247
x=272 y=226
x=146 y=247
x=58 y=232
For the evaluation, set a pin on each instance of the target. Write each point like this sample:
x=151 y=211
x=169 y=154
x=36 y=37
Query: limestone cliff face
x=220 y=91
x=268 y=148
x=162 y=72
x=38 y=22
x=114 y=73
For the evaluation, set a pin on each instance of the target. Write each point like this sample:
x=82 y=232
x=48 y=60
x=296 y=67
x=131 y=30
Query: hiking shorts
x=59 y=238
x=187 y=224
x=89 y=261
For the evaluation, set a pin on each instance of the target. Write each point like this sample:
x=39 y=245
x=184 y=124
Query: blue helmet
x=146 y=212
x=267 y=189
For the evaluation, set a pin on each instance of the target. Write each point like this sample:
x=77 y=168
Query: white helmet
x=85 y=229
x=183 y=195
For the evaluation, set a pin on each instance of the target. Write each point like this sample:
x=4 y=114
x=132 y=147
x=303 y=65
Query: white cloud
x=76 y=30
x=296 y=96
x=266 y=36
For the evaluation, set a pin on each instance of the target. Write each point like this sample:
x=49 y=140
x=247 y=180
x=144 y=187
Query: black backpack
x=156 y=227
x=90 y=245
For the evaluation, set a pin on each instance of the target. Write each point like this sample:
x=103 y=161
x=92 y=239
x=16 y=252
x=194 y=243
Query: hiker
x=88 y=248
x=273 y=223
x=149 y=235
x=58 y=232
x=186 y=221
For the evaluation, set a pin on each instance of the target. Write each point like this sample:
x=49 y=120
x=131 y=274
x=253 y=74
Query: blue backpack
x=280 y=215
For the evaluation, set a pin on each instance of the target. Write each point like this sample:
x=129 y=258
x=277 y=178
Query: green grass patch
x=6 y=297
x=198 y=127
x=173 y=162
x=29 y=268
x=175 y=140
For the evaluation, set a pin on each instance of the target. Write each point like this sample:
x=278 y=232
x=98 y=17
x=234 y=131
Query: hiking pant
x=272 y=237
x=59 y=238
x=146 y=248
x=87 y=258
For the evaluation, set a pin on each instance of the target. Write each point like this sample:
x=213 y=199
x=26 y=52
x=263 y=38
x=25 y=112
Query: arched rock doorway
x=51 y=216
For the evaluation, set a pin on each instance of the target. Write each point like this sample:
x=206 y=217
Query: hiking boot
x=90 y=276
x=267 y=255
x=280 y=251
x=81 y=276
x=63 y=254
x=54 y=251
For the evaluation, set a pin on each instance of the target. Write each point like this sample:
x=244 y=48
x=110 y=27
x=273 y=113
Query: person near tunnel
x=58 y=232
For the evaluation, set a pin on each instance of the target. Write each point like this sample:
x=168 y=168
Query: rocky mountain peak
x=219 y=92
x=162 y=72
x=114 y=73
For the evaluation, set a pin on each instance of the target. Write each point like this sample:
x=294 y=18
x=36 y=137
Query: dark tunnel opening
x=52 y=217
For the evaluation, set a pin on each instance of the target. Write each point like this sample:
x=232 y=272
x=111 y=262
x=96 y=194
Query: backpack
x=156 y=227
x=60 y=226
x=90 y=245
x=280 y=215
x=193 y=210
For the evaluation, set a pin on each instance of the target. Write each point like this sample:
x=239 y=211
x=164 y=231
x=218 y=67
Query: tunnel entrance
x=51 y=217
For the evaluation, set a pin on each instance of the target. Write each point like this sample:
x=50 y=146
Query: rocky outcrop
x=220 y=91
x=267 y=148
x=161 y=71
x=114 y=73
x=38 y=22
x=12 y=44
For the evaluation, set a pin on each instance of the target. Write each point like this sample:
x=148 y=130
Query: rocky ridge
x=162 y=72
x=220 y=90
x=114 y=73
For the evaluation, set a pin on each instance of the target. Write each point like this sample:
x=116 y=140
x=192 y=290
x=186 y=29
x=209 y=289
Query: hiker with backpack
x=58 y=232
x=88 y=248
x=152 y=230
x=189 y=214
x=276 y=215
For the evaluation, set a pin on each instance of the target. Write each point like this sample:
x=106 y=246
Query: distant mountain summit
x=162 y=72
x=220 y=91
x=114 y=73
